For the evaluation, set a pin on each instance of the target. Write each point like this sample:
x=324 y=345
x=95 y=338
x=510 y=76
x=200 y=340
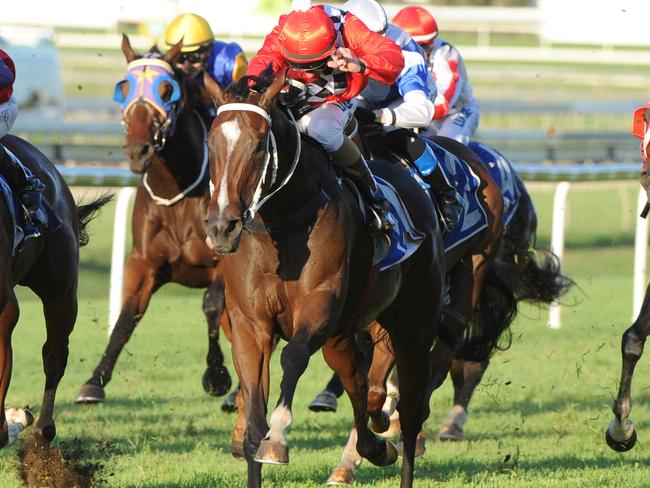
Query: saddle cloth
x=43 y=219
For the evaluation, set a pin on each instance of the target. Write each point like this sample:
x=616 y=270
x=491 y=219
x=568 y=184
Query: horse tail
x=87 y=212
x=489 y=329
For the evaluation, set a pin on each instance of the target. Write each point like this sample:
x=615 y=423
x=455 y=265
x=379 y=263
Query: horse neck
x=181 y=158
x=307 y=179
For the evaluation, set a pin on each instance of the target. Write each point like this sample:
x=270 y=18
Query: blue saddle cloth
x=473 y=219
x=404 y=237
x=45 y=218
x=503 y=174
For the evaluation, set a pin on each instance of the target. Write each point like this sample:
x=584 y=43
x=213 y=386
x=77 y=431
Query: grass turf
x=537 y=419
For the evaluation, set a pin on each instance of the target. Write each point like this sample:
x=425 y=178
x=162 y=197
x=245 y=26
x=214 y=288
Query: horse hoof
x=420 y=445
x=216 y=382
x=621 y=446
x=381 y=423
x=90 y=394
x=229 y=405
x=21 y=416
x=452 y=433
x=325 y=401
x=340 y=477
x=237 y=449
x=271 y=452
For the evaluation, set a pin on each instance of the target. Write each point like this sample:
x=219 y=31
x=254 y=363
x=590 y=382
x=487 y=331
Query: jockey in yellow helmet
x=225 y=62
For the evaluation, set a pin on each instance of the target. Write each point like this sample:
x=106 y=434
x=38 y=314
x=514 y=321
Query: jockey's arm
x=448 y=80
x=382 y=58
x=269 y=53
x=416 y=110
x=6 y=76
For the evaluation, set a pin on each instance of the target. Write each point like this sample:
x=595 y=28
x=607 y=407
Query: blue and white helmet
x=370 y=13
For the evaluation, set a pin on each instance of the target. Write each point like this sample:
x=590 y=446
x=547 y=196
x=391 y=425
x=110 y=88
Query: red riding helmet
x=307 y=37
x=418 y=22
x=5 y=93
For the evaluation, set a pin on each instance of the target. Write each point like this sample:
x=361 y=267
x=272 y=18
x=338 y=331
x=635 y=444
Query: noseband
x=271 y=156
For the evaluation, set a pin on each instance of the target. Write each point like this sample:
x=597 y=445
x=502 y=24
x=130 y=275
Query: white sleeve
x=416 y=110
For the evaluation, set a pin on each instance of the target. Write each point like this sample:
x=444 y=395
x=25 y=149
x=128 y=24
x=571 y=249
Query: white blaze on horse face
x=280 y=419
x=231 y=132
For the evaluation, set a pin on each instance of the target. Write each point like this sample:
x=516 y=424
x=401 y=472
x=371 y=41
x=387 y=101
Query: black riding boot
x=350 y=159
x=28 y=189
x=450 y=203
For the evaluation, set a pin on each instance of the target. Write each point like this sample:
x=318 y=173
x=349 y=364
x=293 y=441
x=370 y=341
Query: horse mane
x=242 y=88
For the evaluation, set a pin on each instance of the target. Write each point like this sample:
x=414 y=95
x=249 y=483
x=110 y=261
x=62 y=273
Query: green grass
x=537 y=419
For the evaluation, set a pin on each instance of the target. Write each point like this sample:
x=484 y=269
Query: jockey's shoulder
x=228 y=48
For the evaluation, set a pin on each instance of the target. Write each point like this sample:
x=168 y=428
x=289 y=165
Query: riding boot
x=349 y=158
x=450 y=203
x=29 y=189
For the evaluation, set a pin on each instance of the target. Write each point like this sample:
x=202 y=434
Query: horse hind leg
x=621 y=434
x=216 y=379
x=60 y=316
x=9 y=313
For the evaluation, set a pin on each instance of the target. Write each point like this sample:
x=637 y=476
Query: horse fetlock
x=272 y=452
x=48 y=431
x=380 y=452
x=380 y=422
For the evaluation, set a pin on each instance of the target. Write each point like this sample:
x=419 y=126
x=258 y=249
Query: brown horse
x=49 y=265
x=165 y=142
x=302 y=270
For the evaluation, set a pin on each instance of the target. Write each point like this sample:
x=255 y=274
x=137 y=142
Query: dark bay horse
x=165 y=142
x=49 y=265
x=621 y=433
x=300 y=267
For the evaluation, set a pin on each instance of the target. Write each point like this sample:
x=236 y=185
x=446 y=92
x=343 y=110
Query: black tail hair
x=490 y=328
x=87 y=212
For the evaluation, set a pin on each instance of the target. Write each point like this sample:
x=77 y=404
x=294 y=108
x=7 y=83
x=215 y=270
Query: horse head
x=240 y=142
x=151 y=98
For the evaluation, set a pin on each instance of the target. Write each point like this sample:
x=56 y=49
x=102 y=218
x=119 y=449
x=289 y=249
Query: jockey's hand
x=344 y=60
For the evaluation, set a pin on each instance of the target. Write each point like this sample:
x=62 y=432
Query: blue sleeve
x=414 y=76
x=6 y=76
x=223 y=61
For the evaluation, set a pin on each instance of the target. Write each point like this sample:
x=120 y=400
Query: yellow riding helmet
x=193 y=29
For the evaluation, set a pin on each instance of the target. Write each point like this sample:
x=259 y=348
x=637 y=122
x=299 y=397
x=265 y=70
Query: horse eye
x=165 y=91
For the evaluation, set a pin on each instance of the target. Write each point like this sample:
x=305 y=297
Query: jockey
x=225 y=62
x=407 y=104
x=331 y=55
x=29 y=189
x=641 y=129
x=456 y=110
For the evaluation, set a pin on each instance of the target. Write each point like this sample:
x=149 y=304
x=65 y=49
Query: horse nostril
x=145 y=150
x=231 y=226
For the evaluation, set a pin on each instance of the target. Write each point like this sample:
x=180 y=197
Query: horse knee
x=213 y=300
x=632 y=344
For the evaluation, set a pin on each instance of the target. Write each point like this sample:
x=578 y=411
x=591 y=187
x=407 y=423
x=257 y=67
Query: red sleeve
x=269 y=53
x=383 y=58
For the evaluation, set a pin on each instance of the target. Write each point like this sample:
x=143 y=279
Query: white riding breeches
x=460 y=125
x=8 y=114
x=327 y=122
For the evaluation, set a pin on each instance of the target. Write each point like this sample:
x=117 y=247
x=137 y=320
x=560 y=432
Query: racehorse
x=165 y=142
x=621 y=434
x=499 y=282
x=299 y=266
x=49 y=265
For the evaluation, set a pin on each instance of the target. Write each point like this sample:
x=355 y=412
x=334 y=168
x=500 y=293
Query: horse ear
x=173 y=52
x=128 y=51
x=213 y=90
x=271 y=93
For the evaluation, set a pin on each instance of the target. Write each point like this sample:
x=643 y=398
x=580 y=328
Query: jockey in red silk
x=225 y=62
x=28 y=188
x=330 y=55
x=456 y=110
x=641 y=129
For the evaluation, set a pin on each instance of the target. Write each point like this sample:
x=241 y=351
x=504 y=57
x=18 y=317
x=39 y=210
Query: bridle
x=270 y=157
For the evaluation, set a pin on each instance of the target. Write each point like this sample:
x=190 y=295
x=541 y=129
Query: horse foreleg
x=216 y=379
x=9 y=313
x=251 y=350
x=621 y=434
x=139 y=285
x=60 y=315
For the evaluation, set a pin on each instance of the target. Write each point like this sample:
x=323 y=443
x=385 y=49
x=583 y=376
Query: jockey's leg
x=326 y=124
x=449 y=201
